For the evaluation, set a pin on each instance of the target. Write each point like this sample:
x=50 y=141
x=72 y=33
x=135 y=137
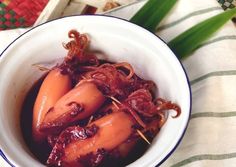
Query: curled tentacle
x=163 y=104
x=80 y=41
x=110 y=80
x=77 y=51
x=117 y=80
x=74 y=34
x=126 y=66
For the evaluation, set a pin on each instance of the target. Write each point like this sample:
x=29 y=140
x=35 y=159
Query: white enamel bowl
x=120 y=41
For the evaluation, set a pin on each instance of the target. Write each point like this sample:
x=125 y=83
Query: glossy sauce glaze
x=87 y=112
x=42 y=151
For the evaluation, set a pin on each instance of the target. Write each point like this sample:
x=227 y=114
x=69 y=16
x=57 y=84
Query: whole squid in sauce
x=90 y=111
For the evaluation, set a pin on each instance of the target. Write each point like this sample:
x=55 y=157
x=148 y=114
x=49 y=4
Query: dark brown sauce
x=43 y=150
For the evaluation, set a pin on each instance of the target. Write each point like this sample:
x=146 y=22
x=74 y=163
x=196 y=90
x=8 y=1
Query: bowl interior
x=120 y=41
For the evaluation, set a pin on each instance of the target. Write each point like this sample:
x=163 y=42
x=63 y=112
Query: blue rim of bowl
x=5 y=158
x=100 y=15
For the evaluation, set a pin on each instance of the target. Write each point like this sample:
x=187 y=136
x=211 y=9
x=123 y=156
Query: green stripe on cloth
x=213 y=114
x=199 y=12
x=205 y=157
x=222 y=38
x=213 y=74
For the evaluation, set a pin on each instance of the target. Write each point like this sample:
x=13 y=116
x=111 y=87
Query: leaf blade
x=152 y=13
x=191 y=39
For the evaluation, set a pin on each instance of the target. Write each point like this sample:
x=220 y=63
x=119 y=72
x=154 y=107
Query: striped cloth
x=209 y=140
x=210 y=137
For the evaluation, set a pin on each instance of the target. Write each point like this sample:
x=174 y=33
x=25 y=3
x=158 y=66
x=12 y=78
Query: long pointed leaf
x=188 y=41
x=151 y=14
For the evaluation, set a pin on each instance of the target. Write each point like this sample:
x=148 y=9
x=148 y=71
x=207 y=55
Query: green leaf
x=190 y=40
x=151 y=14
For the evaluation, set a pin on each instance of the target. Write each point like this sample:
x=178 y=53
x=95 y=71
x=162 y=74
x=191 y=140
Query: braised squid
x=89 y=112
